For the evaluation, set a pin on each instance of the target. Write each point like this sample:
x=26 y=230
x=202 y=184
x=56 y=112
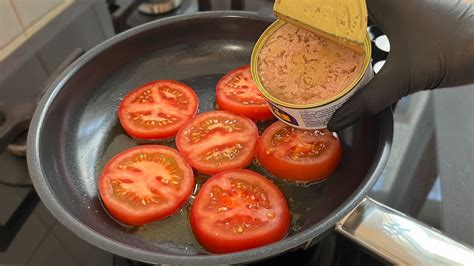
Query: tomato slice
x=216 y=141
x=145 y=183
x=237 y=93
x=238 y=210
x=158 y=109
x=299 y=155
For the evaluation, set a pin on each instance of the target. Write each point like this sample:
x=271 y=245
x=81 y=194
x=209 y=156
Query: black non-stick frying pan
x=75 y=130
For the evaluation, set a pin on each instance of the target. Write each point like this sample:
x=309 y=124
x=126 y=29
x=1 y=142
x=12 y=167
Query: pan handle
x=401 y=239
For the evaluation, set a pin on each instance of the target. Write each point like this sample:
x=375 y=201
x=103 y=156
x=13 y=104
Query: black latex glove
x=431 y=46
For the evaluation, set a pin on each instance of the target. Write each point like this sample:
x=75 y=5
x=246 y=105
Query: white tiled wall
x=18 y=18
x=29 y=11
x=10 y=26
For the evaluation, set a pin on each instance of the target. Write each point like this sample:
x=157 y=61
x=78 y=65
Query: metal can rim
x=254 y=70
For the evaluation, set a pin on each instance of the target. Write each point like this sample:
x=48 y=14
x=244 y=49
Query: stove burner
x=158 y=7
x=134 y=17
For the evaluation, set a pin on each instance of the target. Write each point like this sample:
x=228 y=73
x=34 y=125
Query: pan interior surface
x=80 y=131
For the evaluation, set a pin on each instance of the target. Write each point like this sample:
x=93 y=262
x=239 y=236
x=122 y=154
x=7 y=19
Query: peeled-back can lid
x=344 y=21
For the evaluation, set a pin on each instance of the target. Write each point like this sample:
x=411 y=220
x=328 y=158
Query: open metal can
x=308 y=116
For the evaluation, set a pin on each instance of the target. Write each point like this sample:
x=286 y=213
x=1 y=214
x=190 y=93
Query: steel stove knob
x=158 y=7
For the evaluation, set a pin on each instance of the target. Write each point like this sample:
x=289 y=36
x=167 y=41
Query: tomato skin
x=217 y=241
x=163 y=132
x=221 y=245
x=317 y=169
x=137 y=215
x=248 y=139
x=256 y=112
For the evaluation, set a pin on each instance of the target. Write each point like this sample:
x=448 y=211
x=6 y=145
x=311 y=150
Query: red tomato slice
x=237 y=93
x=238 y=210
x=158 y=109
x=299 y=155
x=145 y=183
x=217 y=141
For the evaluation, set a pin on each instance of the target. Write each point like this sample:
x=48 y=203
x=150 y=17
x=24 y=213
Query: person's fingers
x=383 y=90
x=381 y=12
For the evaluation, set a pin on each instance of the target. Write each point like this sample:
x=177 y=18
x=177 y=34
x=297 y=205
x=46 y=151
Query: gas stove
x=126 y=14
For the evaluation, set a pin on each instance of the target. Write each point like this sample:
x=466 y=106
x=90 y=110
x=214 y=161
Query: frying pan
x=75 y=130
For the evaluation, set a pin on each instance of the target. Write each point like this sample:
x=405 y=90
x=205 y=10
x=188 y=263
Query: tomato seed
x=270 y=214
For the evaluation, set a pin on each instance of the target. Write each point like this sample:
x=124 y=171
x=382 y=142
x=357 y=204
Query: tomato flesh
x=145 y=184
x=158 y=109
x=217 y=141
x=237 y=93
x=238 y=210
x=299 y=155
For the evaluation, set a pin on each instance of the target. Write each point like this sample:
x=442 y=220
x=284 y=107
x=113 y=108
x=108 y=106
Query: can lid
x=344 y=21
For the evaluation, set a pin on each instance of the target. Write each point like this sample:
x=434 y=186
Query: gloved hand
x=431 y=46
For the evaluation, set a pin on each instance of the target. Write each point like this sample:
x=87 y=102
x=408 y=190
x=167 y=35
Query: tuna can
x=308 y=116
